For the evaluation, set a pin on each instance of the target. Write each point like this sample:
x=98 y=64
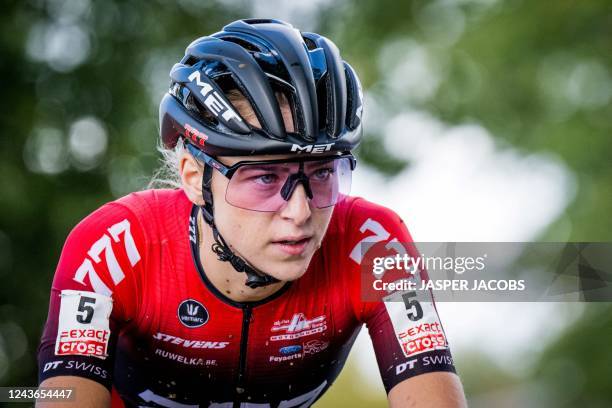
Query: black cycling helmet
x=259 y=57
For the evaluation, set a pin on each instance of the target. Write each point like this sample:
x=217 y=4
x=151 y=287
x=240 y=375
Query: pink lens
x=257 y=187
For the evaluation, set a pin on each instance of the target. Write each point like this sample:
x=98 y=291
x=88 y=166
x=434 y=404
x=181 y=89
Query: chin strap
x=255 y=278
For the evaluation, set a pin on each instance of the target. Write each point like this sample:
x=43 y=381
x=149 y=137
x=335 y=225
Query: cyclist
x=241 y=287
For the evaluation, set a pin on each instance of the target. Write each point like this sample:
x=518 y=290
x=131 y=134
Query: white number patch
x=416 y=323
x=83 y=327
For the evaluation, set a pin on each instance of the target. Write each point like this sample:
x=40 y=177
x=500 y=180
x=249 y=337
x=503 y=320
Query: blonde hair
x=167 y=174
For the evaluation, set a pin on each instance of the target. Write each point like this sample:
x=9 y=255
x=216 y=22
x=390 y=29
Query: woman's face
x=279 y=243
x=262 y=238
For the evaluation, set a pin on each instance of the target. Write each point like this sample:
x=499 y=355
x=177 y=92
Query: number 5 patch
x=83 y=327
x=416 y=322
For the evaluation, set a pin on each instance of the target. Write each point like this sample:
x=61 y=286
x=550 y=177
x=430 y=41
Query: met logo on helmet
x=312 y=149
x=213 y=101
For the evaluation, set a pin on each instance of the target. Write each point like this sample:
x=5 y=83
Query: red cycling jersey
x=132 y=309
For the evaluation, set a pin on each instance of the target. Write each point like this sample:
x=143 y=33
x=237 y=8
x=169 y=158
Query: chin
x=286 y=271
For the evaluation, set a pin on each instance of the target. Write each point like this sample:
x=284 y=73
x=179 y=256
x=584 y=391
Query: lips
x=292 y=239
x=293 y=245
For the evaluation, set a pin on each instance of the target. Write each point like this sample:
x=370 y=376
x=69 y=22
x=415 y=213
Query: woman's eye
x=323 y=174
x=266 y=178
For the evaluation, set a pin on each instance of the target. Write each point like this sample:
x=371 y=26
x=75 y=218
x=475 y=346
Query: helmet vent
x=259 y=21
x=202 y=113
x=310 y=44
x=244 y=44
x=322 y=92
x=190 y=61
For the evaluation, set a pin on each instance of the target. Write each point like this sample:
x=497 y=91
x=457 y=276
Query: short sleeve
x=407 y=335
x=93 y=295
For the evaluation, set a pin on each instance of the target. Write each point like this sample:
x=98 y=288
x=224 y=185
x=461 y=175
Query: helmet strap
x=255 y=278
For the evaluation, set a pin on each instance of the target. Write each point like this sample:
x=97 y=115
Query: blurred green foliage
x=536 y=74
x=576 y=367
x=533 y=73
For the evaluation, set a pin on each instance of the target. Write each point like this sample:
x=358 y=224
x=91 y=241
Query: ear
x=191 y=178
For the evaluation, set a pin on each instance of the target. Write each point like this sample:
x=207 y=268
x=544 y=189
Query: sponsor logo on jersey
x=279 y=359
x=298 y=326
x=83 y=341
x=89 y=367
x=296 y=348
x=83 y=326
x=439 y=360
x=422 y=337
x=76 y=365
x=315 y=346
x=424 y=343
x=52 y=365
x=200 y=344
x=192 y=313
x=422 y=328
x=408 y=365
x=296 y=351
x=195 y=361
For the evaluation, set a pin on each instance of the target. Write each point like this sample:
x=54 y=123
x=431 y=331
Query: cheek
x=233 y=223
x=253 y=228
x=320 y=220
x=243 y=229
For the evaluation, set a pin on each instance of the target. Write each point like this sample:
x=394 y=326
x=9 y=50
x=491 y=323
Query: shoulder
x=142 y=210
x=117 y=236
x=358 y=223
x=362 y=207
x=351 y=214
x=154 y=201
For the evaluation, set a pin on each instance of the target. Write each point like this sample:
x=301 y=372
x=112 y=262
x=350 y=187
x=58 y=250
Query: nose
x=297 y=207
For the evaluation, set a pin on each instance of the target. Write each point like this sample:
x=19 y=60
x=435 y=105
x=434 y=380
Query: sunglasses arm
x=201 y=156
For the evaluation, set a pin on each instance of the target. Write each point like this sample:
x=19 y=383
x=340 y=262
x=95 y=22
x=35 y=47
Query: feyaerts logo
x=192 y=313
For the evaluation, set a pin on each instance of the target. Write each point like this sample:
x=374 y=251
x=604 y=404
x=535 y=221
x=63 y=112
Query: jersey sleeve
x=407 y=335
x=93 y=295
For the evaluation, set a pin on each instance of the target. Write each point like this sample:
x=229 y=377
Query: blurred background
x=486 y=120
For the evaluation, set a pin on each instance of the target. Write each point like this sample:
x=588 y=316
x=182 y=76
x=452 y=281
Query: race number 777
x=103 y=246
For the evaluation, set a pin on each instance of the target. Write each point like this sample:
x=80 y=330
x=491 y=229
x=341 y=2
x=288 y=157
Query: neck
x=223 y=276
